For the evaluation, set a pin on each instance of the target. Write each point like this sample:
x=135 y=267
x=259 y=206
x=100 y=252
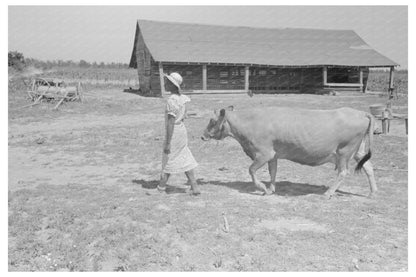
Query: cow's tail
x=369 y=135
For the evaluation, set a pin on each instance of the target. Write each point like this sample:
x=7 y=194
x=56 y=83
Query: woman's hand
x=169 y=132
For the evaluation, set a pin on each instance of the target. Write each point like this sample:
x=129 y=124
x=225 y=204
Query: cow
x=308 y=137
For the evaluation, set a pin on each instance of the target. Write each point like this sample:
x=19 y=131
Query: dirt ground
x=82 y=198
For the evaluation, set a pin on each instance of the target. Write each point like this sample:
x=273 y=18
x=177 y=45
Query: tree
x=16 y=60
x=83 y=63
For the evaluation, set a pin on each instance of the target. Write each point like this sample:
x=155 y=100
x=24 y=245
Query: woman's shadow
x=152 y=185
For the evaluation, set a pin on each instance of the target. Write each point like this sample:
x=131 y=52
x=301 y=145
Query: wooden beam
x=216 y=91
x=204 y=77
x=325 y=75
x=246 y=78
x=361 y=78
x=391 y=82
x=162 y=78
x=343 y=85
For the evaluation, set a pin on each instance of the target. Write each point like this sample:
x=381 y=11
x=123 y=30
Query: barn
x=221 y=59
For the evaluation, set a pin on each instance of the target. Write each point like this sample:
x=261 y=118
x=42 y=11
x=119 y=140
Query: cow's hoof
x=161 y=189
x=194 y=192
x=272 y=188
x=268 y=192
x=327 y=196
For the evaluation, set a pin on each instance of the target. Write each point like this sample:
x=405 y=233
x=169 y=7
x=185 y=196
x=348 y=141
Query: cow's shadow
x=283 y=188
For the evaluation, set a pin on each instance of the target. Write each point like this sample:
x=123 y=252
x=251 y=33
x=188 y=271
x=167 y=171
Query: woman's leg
x=192 y=181
x=164 y=177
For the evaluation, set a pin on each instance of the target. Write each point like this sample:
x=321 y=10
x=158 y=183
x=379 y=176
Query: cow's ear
x=222 y=113
x=230 y=108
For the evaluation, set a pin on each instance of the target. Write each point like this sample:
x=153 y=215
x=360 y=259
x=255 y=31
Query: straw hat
x=175 y=78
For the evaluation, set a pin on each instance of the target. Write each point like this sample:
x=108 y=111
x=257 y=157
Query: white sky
x=105 y=33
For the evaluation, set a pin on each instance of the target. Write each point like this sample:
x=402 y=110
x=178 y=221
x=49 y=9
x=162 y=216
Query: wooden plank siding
x=144 y=63
x=225 y=77
x=191 y=75
x=260 y=79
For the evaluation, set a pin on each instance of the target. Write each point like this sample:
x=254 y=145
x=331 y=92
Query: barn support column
x=391 y=83
x=162 y=78
x=325 y=75
x=361 y=79
x=246 y=78
x=204 y=77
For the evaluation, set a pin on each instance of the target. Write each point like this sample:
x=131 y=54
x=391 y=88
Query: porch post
x=204 y=77
x=162 y=78
x=325 y=75
x=391 y=83
x=361 y=79
x=246 y=78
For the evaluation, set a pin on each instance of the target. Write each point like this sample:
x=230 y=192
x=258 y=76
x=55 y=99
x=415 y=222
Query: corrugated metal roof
x=195 y=43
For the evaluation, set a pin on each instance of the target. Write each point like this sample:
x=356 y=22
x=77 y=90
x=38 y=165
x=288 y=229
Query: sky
x=105 y=33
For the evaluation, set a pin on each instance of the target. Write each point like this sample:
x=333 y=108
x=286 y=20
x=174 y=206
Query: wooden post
x=325 y=75
x=204 y=77
x=391 y=83
x=246 y=78
x=361 y=79
x=405 y=122
x=385 y=122
x=162 y=78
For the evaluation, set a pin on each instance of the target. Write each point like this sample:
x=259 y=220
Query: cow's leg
x=259 y=161
x=342 y=172
x=340 y=178
x=272 y=171
x=368 y=169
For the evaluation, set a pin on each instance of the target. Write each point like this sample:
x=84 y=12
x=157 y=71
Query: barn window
x=223 y=82
x=343 y=75
x=223 y=74
x=262 y=72
x=273 y=72
x=234 y=72
x=188 y=72
x=242 y=72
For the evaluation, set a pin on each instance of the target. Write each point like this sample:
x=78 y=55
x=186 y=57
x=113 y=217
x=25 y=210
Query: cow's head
x=218 y=127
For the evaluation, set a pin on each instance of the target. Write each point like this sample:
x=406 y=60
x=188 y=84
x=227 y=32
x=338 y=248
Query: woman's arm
x=169 y=131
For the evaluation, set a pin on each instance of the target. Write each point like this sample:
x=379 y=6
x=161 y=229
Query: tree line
x=19 y=62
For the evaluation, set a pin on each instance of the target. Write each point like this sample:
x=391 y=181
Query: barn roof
x=196 y=43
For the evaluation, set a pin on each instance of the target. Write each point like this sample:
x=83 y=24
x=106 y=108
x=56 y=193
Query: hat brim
x=173 y=81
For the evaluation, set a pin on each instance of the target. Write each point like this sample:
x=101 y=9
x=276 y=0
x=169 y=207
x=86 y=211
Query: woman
x=177 y=157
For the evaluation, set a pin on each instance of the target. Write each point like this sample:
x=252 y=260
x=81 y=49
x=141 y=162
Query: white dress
x=180 y=158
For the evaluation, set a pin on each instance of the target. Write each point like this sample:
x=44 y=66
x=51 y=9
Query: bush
x=16 y=60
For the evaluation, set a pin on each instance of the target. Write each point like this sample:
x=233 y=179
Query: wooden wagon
x=51 y=89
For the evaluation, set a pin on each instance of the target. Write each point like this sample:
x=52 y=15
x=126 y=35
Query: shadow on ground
x=138 y=92
x=152 y=184
x=284 y=188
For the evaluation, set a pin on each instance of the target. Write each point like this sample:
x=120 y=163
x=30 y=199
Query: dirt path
x=82 y=198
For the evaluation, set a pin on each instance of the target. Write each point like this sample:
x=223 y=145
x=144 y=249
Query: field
x=81 y=193
x=379 y=81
